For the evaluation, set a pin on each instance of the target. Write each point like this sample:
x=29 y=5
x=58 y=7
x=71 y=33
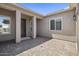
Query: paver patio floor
x=52 y=47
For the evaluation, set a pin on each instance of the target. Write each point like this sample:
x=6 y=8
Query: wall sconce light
x=74 y=17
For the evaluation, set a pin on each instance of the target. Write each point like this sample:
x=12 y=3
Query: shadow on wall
x=10 y=48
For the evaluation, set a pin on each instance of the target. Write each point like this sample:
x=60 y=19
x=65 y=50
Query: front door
x=23 y=27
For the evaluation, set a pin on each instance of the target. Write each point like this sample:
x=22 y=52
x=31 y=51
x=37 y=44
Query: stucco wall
x=68 y=25
x=12 y=35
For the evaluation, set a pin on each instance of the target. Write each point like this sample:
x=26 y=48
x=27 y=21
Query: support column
x=77 y=27
x=18 y=26
x=34 y=27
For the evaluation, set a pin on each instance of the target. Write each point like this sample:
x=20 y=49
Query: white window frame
x=9 y=18
x=56 y=19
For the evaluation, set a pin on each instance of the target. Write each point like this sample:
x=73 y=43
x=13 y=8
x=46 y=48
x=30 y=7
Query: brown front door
x=23 y=27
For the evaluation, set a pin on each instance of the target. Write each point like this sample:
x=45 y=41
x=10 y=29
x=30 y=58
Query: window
x=58 y=25
x=52 y=24
x=4 y=25
x=55 y=24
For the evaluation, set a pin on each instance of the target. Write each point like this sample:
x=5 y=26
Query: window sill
x=56 y=30
x=5 y=33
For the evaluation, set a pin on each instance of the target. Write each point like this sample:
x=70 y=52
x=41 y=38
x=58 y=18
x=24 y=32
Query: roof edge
x=54 y=13
x=61 y=11
x=26 y=9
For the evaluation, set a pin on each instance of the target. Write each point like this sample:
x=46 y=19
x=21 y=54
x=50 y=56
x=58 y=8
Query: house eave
x=32 y=13
x=14 y=7
x=61 y=11
x=26 y=9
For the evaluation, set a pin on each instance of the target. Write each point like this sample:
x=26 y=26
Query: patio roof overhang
x=14 y=7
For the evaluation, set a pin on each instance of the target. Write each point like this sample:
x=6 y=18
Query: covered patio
x=23 y=22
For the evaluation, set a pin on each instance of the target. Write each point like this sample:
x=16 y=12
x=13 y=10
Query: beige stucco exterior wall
x=68 y=25
x=12 y=35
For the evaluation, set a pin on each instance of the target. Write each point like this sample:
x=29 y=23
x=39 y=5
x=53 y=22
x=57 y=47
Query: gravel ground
x=10 y=48
x=52 y=47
